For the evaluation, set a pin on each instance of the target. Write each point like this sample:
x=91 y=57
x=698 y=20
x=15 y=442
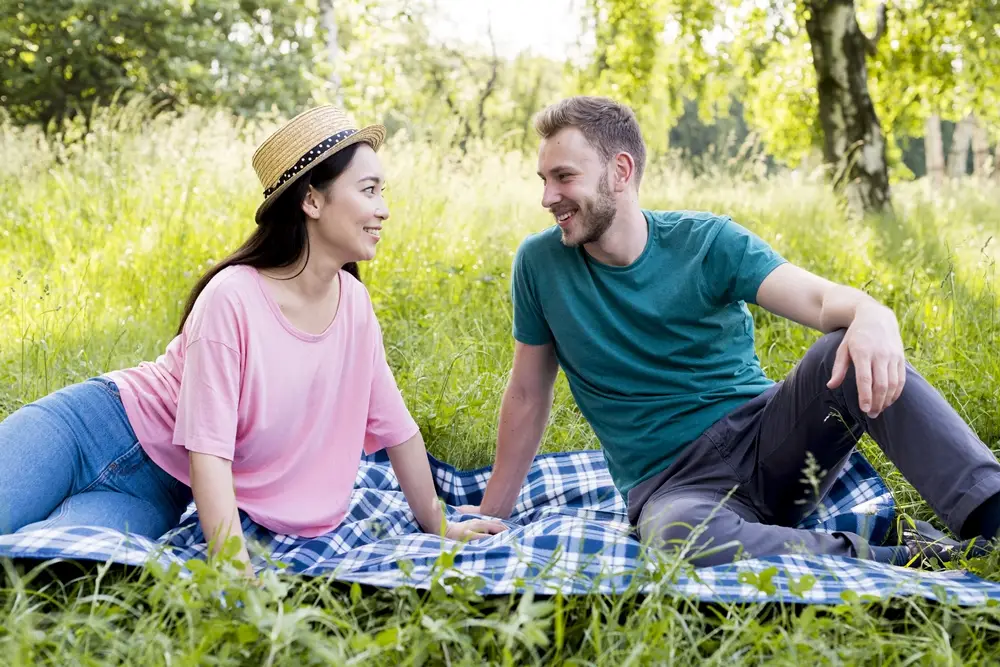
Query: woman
x=275 y=383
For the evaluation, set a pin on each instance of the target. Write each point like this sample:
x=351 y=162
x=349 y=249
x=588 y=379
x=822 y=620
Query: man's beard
x=594 y=217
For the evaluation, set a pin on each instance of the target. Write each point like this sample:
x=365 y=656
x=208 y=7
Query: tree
x=841 y=76
x=980 y=144
x=629 y=65
x=58 y=58
x=328 y=19
x=392 y=68
x=853 y=143
x=961 y=141
x=934 y=149
x=937 y=63
x=852 y=136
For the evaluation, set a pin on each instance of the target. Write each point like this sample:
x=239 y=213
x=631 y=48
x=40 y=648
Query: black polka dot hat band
x=302 y=143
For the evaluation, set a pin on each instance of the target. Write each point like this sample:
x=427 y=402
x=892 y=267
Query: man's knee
x=814 y=369
x=825 y=349
x=694 y=526
x=671 y=520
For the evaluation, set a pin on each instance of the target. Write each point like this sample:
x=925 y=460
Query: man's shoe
x=930 y=547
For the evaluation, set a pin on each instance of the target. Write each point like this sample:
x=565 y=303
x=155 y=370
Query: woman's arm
x=409 y=462
x=215 y=499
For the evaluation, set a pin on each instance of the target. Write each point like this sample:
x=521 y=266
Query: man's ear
x=624 y=172
x=312 y=203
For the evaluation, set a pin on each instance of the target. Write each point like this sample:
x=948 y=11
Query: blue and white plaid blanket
x=568 y=532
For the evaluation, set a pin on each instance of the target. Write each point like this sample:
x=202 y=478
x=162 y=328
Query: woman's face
x=345 y=218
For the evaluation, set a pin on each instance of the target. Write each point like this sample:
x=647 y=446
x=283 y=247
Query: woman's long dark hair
x=281 y=238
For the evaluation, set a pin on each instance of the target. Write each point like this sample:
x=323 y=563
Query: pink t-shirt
x=291 y=410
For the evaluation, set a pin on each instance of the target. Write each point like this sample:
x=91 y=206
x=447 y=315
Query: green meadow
x=101 y=241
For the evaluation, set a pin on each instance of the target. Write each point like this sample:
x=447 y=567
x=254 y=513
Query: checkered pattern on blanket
x=568 y=532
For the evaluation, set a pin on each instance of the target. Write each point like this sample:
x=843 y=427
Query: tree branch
x=871 y=43
x=494 y=64
x=487 y=91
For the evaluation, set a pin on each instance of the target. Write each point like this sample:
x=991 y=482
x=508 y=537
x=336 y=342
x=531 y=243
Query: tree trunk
x=934 y=150
x=328 y=20
x=532 y=103
x=980 y=150
x=958 y=156
x=853 y=142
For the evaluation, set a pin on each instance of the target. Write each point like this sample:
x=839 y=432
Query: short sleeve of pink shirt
x=292 y=410
x=208 y=401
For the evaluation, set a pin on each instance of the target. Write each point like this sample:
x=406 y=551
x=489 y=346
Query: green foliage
x=60 y=58
x=935 y=57
x=932 y=58
x=628 y=63
x=452 y=95
x=939 y=57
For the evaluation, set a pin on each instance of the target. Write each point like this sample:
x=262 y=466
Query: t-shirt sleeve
x=529 y=325
x=208 y=399
x=389 y=422
x=737 y=262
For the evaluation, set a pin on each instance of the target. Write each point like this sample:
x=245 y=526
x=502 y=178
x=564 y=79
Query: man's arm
x=524 y=412
x=872 y=342
x=798 y=295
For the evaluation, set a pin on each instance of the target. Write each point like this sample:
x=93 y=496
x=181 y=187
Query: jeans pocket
x=734 y=451
x=120 y=469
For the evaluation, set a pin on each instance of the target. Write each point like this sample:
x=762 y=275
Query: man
x=645 y=311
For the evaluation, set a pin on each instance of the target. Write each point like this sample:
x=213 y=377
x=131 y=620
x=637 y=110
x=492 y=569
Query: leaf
x=355 y=593
x=387 y=637
x=764 y=580
x=446 y=560
x=199 y=568
x=802 y=586
x=560 y=621
x=247 y=634
x=748 y=578
x=761 y=581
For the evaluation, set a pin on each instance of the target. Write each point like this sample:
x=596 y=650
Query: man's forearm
x=522 y=423
x=841 y=304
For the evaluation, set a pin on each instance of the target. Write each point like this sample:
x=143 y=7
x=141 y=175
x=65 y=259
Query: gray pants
x=742 y=480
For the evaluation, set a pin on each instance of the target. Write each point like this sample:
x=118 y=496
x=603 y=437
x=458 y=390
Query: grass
x=100 y=242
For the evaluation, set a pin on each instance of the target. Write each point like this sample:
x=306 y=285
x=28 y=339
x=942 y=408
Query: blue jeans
x=72 y=459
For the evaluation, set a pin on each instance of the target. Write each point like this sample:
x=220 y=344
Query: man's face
x=577 y=191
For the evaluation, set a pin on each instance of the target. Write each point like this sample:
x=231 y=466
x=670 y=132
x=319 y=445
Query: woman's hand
x=409 y=462
x=473 y=529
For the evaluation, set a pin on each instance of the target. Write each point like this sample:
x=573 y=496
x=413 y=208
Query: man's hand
x=473 y=529
x=873 y=344
x=469 y=509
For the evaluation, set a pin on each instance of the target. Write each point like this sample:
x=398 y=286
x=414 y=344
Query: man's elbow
x=530 y=396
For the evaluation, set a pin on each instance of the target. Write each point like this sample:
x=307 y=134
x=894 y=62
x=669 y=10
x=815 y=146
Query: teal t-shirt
x=657 y=351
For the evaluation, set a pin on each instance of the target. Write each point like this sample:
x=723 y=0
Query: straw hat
x=302 y=143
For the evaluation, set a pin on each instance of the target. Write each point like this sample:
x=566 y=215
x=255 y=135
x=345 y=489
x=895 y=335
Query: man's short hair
x=610 y=127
